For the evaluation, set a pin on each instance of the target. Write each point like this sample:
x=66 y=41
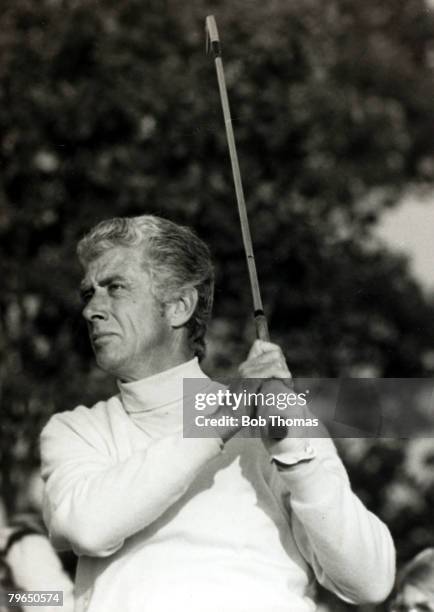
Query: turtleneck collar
x=160 y=391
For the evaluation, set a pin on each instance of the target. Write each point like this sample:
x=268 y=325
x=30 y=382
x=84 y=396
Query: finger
x=277 y=385
x=259 y=366
x=264 y=373
x=275 y=355
x=259 y=347
x=260 y=361
x=270 y=370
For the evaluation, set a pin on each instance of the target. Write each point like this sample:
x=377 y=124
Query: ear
x=180 y=310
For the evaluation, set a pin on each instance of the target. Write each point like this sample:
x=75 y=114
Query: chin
x=108 y=364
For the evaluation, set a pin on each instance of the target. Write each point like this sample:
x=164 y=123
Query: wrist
x=290 y=453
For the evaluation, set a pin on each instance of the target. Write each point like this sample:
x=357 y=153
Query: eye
x=115 y=288
x=86 y=295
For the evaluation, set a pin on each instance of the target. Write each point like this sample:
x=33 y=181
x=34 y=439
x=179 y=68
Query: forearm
x=350 y=549
x=96 y=507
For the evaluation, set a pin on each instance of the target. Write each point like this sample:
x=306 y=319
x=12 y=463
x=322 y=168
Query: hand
x=266 y=361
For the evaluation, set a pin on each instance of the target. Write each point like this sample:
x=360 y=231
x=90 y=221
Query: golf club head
x=212 y=36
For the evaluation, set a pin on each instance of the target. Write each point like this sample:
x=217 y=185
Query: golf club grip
x=262 y=327
x=277 y=432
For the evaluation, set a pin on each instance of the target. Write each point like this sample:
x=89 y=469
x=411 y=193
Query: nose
x=96 y=308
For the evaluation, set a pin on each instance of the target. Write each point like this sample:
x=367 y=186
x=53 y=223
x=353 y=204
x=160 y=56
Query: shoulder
x=84 y=424
x=83 y=416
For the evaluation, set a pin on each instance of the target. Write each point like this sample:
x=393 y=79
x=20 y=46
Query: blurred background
x=112 y=108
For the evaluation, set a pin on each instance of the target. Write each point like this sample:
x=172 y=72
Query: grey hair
x=419 y=572
x=175 y=257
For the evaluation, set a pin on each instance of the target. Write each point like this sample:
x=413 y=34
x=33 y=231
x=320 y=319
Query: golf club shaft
x=213 y=44
x=260 y=319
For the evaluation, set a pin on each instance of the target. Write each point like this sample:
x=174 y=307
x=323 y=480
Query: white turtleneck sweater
x=163 y=523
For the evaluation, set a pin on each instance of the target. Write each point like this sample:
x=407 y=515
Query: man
x=162 y=521
x=28 y=562
x=414 y=590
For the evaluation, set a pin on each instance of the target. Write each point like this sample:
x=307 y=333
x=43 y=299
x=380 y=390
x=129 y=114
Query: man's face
x=412 y=599
x=129 y=333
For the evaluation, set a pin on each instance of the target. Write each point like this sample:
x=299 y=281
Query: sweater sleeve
x=350 y=550
x=93 y=502
x=36 y=567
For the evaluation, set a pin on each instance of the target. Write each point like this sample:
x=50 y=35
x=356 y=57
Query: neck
x=158 y=360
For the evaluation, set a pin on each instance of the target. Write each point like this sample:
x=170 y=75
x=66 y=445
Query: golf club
x=213 y=46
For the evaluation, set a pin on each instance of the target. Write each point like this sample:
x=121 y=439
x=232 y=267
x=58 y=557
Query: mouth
x=101 y=337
